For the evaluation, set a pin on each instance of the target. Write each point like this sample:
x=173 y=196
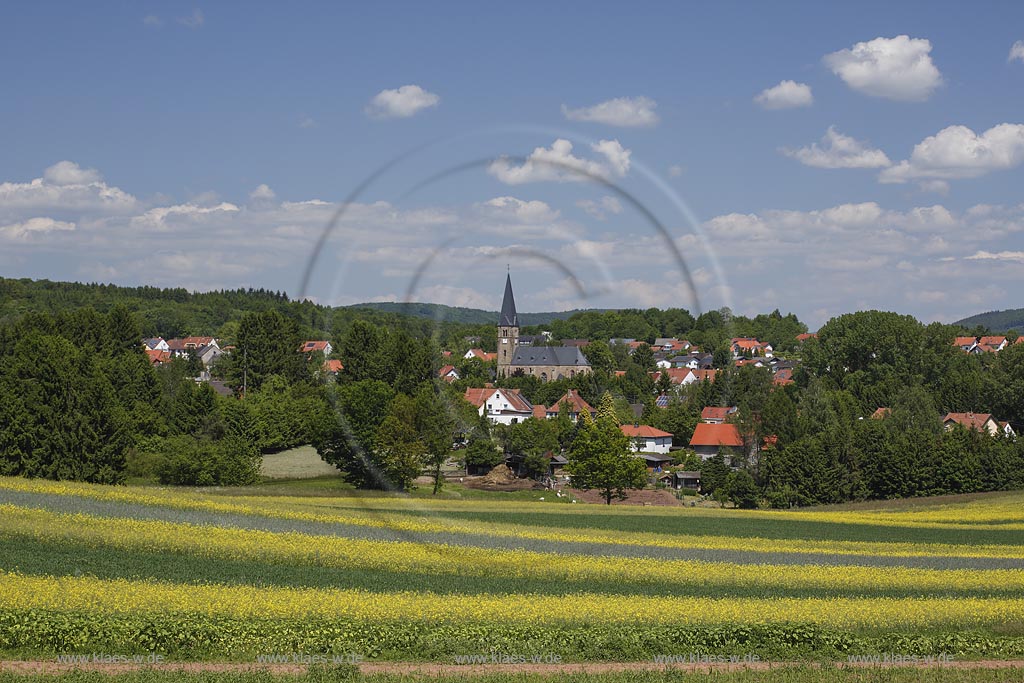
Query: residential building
x=505 y=406
x=158 y=357
x=156 y=344
x=647 y=439
x=982 y=422
x=710 y=440
x=717 y=415
x=448 y=373
x=749 y=346
x=323 y=347
x=480 y=355
x=575 y=403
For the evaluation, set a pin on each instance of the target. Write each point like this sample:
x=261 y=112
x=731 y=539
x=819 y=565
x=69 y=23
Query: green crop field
x=200 y=575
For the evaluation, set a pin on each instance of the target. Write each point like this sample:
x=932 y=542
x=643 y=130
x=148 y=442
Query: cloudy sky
x=811 y=157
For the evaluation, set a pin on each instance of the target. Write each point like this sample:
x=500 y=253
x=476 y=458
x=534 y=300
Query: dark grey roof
x=655 y=457
x=220 y=387
x=508 y=317
x=549 y=355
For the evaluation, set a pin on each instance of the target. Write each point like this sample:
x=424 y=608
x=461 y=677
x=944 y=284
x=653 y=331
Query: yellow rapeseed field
x=123 y=596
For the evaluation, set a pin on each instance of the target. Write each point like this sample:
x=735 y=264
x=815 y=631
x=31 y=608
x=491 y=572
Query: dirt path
x=439 y=669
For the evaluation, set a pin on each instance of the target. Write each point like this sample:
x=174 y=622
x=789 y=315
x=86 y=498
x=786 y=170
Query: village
x=677 y=366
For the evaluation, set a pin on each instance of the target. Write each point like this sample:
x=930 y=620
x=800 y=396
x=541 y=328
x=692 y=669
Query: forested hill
x=176 y=312
x=996 y=321
x=470 y=316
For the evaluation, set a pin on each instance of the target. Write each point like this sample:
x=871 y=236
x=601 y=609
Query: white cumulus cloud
x=600 y=209
x=34 y=226
x=1012 y=256
x=785 y=95
x=70 y=173
x=65 y=186
x=401 y=103
x=959 y=152
x=628 y=112
x=1016 y=52
x=839 y=151
x=558 y=163
x=522 y=210
x=899 y=68
x=262 y=193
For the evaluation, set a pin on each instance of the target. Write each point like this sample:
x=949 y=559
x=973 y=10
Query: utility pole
x=245 y=371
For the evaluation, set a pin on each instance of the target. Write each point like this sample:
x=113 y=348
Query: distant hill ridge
x=996 y=321
x=471 y=316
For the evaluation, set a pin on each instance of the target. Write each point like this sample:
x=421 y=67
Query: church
x=545 y=362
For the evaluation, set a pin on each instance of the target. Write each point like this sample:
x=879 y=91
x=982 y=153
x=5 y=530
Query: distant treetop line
x=472 y=316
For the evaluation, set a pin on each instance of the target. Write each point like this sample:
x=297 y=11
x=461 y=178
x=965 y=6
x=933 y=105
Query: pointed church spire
x=508 y=306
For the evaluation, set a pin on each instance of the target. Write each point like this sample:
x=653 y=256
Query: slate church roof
x=550 y=355
x=508 y=316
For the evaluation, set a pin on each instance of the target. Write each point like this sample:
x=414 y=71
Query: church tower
x=508 y=330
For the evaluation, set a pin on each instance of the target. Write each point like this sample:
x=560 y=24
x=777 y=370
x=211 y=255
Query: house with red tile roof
x=748 y=345
x=783 y=376
x=671 y=345
x=647 y=439
x=705 y=375
x=717 y=414
x=192 y=345
x=992 y=344
x=805 y=336
x=323 y=347
x=480 y=355
x=574 y=401
x=966 y=344
x=158 y=357
x=881 y=414
x=709 y=440
x=987 y=344
x=981 y=422
x=679 y=377
x=333 y=367
x=448 y=373
x=505 y=406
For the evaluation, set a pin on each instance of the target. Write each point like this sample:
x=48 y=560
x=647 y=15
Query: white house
x=504 y=406
x=322 y=346
x=156 y=344
x=646 y=439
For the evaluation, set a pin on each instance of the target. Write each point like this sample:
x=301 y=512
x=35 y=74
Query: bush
x=482 y=456
x=187 y=461
x=142 y=463
x=741 y=489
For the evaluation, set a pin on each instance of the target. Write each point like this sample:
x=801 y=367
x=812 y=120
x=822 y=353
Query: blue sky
x=207 y=145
